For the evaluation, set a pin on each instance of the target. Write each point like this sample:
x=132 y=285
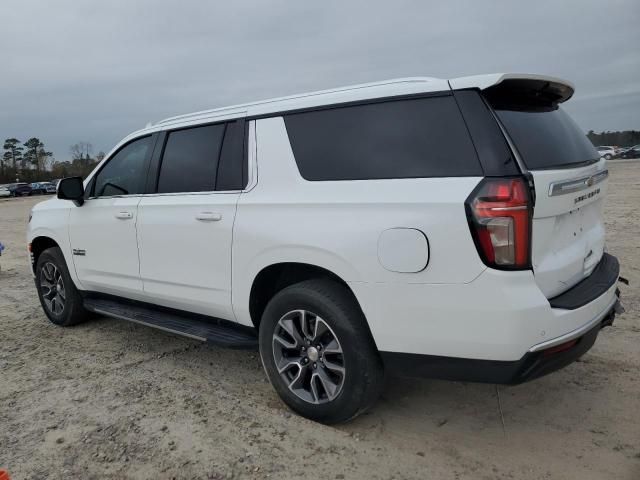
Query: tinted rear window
x=423 y=137
x=547 y=137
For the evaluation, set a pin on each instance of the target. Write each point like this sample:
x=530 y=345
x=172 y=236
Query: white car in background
x=607 y=152
x=4 y=191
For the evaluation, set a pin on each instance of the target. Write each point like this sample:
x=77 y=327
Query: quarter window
x=414 y=138
x=125 y=172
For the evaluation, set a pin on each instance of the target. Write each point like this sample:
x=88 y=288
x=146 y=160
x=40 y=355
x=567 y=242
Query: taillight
x=499 y=213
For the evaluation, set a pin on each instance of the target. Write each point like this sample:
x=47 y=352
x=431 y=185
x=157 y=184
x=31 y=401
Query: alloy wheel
x=52 y=288
x=308 y=356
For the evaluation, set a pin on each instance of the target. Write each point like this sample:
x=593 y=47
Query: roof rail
x=241 y=108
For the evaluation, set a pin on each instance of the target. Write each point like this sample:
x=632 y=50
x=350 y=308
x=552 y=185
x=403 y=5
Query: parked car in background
x=633 y=152
x=18 y=189
x=4 y=191
x=42 y=188
x=607 y=152
x=36 y=188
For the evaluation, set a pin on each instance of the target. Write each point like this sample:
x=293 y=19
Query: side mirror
x=71 y=188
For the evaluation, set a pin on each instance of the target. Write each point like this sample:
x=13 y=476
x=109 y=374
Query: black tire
x=608 y=156
x=72 y=311
x=363 y=369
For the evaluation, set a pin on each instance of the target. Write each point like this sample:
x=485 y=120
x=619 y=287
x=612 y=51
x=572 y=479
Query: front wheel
x=58 y=296
x=318 y=352
x=608 y=156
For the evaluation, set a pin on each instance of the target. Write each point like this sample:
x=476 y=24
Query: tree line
x=32 y=162
x=626 y=138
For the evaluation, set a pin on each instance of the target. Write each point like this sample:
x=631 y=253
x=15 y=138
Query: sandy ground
x=112 y=399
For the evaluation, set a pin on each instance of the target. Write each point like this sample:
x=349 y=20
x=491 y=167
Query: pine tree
x=36 y=155
x=13 y=152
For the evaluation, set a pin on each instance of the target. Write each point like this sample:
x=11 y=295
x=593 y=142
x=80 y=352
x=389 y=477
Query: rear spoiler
x=551 y=89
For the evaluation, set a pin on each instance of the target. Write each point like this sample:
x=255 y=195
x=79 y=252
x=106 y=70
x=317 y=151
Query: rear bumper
x=498 y=316
x=601 y=279
x=538 y=361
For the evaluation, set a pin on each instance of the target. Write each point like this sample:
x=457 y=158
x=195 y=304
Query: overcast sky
x=94 y=71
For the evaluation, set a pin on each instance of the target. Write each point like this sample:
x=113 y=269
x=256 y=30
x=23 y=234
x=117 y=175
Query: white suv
x=443 y=228
x=607 y=152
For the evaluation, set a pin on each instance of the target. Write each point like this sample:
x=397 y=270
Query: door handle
x=208 y=217
x=124 y=215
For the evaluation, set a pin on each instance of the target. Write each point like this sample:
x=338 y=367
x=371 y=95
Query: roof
x=365 y=91
x=399 y=86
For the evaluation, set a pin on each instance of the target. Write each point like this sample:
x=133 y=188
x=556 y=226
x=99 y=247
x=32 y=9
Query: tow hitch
x=617 y=308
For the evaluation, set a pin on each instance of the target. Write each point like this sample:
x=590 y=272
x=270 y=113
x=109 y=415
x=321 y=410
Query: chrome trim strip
x=252 y=158
x=174 y=194
x=578 y=332
x=576 y=184
x=508 y=209
x=122 y=317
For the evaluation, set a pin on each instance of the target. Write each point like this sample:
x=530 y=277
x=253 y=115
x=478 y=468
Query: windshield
x=547 y=137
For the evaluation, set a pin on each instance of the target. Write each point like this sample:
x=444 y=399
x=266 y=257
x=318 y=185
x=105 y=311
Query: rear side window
x=190 y=160
x=232 y=166
x=547 y=137
x=415 y=138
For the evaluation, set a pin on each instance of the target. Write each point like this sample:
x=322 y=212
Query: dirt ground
x=113 y=399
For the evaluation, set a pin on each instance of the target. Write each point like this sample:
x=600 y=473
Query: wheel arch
x=277 y=276
x=38 y=245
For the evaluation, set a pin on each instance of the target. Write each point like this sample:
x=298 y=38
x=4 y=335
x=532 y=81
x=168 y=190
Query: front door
x=103 y=231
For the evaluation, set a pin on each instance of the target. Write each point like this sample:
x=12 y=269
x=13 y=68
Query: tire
x=331 y=308
x=58 y=296
x=608 y=156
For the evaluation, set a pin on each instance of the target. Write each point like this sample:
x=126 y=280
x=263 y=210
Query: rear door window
x=190 y=159
x=415 y=138
x=547 y=137
x=232 y=165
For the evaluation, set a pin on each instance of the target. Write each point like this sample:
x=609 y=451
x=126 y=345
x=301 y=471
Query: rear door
x=185 y=225
x=570 y=183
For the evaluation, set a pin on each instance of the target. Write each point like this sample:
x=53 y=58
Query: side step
x=218 y=332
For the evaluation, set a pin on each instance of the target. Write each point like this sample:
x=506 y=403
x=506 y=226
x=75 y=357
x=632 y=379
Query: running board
x=218 y=332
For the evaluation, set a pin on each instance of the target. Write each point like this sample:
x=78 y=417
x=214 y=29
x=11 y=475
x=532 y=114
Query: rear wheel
x=58 y=295
x=318 y=353
x=608 y=156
